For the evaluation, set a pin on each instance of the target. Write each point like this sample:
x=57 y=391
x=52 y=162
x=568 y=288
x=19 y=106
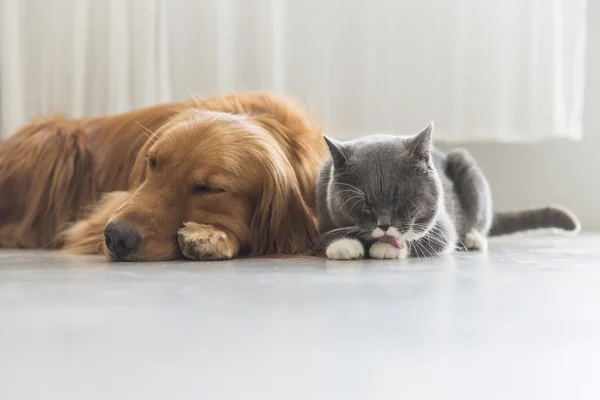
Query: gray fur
x=550 y=217
x=433 y=199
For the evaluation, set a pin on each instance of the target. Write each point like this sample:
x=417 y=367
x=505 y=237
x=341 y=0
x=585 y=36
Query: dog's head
x=217 y=169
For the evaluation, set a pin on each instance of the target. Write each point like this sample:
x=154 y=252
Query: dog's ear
x=282 y=222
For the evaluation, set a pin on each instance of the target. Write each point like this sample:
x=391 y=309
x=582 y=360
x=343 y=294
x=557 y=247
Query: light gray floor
x=522 y=322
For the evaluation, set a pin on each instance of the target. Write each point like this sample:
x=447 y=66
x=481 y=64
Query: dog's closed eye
x=152 y=162
x=197 y=189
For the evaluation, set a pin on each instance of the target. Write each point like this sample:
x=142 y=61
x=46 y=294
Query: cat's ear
x=421 y=144
x=336 y=149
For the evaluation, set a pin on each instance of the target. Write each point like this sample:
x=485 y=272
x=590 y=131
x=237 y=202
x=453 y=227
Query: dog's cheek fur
x=86 y=235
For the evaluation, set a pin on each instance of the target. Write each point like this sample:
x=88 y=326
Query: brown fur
x=260 y=151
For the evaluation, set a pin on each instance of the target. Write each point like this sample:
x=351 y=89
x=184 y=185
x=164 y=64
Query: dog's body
x=219 y=176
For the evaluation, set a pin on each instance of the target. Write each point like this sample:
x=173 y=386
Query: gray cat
x=391 y=197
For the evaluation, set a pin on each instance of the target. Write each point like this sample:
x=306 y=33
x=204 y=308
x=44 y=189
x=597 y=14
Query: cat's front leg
x=342 y=244
x=475 y=240
x=384 y=250
x=345 y=249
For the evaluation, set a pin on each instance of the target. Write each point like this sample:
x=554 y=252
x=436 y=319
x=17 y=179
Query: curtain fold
x=495 y=70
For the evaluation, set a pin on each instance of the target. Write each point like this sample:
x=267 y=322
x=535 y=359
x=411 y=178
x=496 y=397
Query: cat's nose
x=383 y=227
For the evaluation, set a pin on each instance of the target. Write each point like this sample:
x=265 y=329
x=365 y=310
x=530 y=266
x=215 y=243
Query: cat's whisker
x=338 y=230
x=436 y=241
x=438 y=230
x=458 y=241
x=414 y=205
x=413 y=245
x=461 y=243
x=352 y=186
x=410 y=248
x=346 y=190
x=423 y=250
x=443 y=241
x=344 y=231
x=351 y=198
x=354 y=205
x=421 y=226
x=427 y=246
x=429 y=253
x=323 y=236
x=357 y=236
x=417 y=248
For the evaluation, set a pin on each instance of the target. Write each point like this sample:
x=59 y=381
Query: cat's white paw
x=475 y=241
x=383 y=250
x=345 y=249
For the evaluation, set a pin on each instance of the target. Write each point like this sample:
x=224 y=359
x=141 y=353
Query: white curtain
x=505 y=70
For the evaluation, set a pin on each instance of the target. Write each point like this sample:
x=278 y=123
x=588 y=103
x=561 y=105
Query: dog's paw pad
x=383 y=250
x=345 y=249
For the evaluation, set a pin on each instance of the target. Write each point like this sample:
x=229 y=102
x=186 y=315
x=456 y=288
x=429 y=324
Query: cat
x=393 y=197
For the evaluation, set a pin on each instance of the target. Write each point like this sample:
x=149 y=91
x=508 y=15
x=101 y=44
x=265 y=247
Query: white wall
x=562 y=172
x=559 y=172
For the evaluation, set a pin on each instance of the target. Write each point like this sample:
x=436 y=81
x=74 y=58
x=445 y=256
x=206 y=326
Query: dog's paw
x=345 y=249
x=383 y=250
x=475 y=241
x=204 y=242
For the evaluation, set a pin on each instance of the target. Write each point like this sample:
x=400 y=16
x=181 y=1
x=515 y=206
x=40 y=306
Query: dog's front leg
x=206 y=242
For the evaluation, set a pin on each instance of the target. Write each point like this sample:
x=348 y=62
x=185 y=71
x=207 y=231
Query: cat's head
x=385 y=185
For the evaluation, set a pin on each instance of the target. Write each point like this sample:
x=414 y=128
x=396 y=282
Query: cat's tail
x=549 y=217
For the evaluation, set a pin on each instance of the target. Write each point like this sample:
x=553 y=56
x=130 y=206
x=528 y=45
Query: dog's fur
x=233 y=174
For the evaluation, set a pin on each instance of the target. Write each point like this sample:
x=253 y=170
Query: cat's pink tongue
x=391 y=240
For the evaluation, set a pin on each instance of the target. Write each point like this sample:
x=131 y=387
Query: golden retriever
x=207 y=179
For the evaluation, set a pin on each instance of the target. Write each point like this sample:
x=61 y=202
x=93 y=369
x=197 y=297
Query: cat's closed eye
x=367 y=209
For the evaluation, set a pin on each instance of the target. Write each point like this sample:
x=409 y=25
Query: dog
x=206 y=179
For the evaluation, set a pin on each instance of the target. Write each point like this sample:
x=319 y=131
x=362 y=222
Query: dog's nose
x=121 y=239
x=384 y=228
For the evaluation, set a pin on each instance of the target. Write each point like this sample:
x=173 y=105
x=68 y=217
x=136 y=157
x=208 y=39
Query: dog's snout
x=121 y=239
